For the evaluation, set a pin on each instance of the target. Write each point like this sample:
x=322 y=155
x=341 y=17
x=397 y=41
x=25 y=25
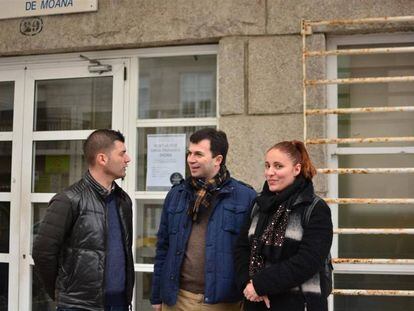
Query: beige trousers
x=188 y=301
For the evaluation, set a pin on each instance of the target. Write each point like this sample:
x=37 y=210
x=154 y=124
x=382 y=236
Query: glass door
x=63 y=104
x=176 y=97
x=50 y=104
x=11 y=81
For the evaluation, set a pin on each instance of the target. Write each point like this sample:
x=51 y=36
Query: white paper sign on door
x=165 y=160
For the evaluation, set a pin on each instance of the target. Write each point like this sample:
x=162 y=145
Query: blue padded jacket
x=231 y=207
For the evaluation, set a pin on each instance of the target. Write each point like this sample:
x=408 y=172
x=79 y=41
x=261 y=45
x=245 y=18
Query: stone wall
x=259 y=58
x=143 y=23
x=137 y=23
x=261 y=99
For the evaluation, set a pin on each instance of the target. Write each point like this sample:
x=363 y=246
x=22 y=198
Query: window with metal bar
x=370 y=165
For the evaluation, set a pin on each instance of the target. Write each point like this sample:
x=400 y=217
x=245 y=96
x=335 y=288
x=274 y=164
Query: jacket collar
x=226 y=187
x=97 y=187
x=306 y=195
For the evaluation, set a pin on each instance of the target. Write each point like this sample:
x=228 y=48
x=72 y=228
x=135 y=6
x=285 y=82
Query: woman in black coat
x=280 y=259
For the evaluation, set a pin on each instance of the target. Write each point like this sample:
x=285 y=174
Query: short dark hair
x=101 y=140
x=218 y=141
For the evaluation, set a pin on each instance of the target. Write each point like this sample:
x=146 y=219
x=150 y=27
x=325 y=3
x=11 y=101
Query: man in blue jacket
x=200 y=222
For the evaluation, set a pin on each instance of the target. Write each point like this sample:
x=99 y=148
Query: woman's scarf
x=204 y=191
x=278 y=205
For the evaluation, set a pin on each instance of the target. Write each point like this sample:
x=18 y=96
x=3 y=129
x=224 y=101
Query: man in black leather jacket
x=83 y=251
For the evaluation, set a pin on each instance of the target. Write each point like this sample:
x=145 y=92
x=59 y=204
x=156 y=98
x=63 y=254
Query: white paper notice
x=165 y=160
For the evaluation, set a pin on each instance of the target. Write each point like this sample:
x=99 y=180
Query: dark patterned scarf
x=204 y=191
x=277 y=206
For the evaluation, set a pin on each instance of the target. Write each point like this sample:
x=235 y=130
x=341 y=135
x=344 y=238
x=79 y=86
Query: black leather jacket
x=69 y=250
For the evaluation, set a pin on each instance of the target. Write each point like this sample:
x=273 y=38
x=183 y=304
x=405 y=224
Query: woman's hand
x=266 y=301
x=250 y=294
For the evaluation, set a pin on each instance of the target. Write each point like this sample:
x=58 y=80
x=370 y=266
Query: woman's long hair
x=297 y=152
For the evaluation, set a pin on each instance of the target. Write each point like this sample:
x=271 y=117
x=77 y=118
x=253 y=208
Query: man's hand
x=157 y=307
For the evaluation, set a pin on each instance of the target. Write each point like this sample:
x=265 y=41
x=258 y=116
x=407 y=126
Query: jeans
x=106 y=309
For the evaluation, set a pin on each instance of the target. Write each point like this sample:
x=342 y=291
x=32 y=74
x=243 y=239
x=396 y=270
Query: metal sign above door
x=24 y=8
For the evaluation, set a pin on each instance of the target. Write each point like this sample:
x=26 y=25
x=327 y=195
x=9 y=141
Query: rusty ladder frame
x=307 y=29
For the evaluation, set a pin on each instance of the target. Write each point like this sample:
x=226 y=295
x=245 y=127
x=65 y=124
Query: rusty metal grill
x=308 y=28
x=372 y=292
x=365 y=170
x=358 y=110
x=360 y=80
x=367 y=201
x=372 y=260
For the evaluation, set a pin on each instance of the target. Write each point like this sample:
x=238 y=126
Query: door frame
x=13 y=197
x=22 y=137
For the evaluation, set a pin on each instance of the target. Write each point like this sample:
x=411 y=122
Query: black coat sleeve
x=50 y=237
x=313 y=249
x=242 y=255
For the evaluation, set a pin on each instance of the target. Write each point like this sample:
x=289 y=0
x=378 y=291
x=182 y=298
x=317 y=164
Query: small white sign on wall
x=165 y=160
x=28 y=8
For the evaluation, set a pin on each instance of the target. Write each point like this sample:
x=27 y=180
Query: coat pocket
x=233 y=217
x=174 y=219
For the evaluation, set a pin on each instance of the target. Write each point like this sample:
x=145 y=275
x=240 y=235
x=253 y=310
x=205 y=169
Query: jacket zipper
x=124 y=231
x=215 y=200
